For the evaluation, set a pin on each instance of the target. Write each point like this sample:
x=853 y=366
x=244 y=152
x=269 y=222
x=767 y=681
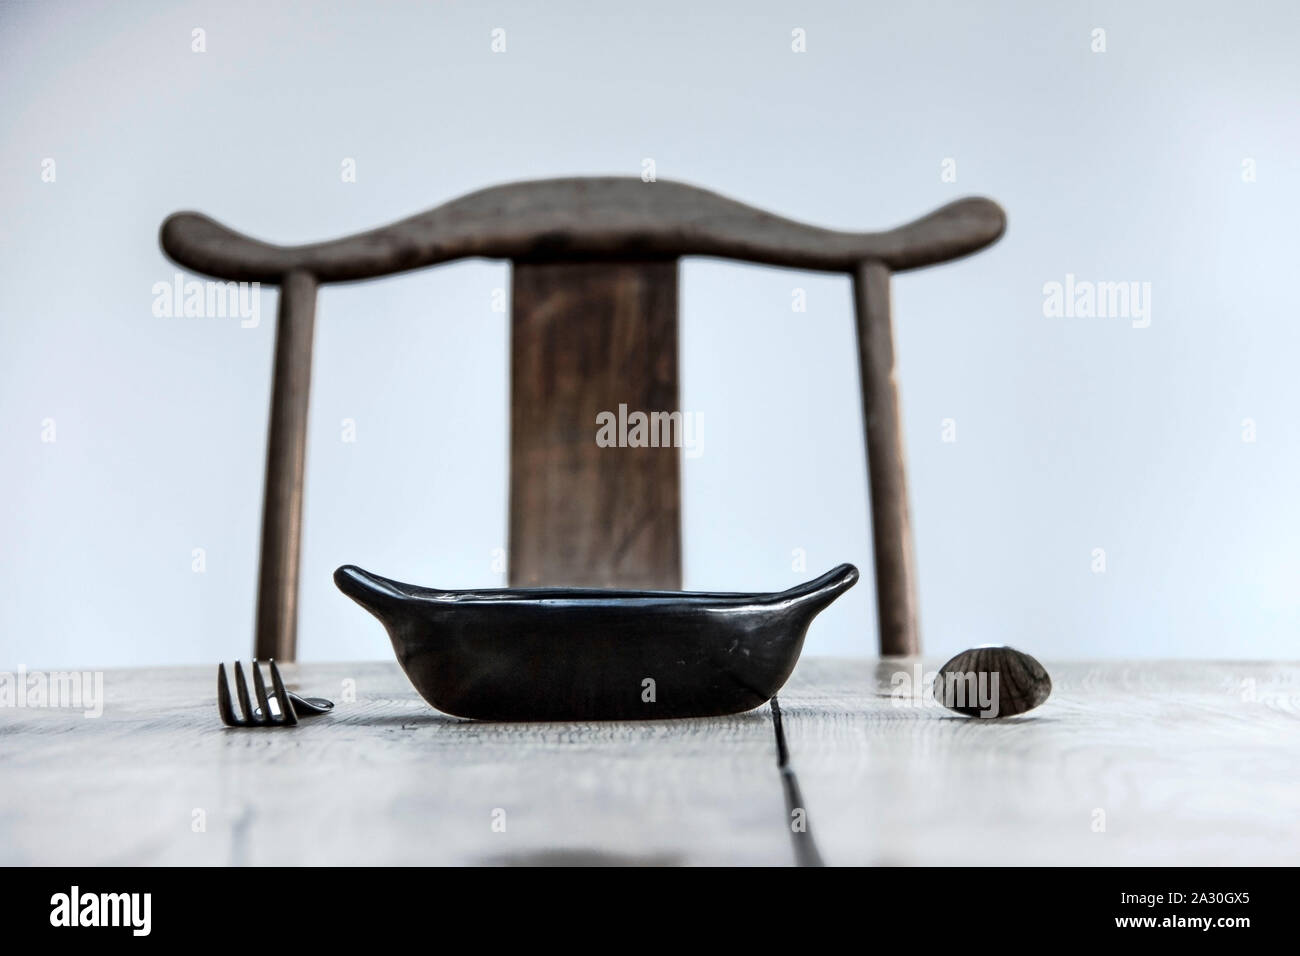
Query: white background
x=1073 y=434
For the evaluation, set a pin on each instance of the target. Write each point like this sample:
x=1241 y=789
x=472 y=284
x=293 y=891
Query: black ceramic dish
x=585 y=654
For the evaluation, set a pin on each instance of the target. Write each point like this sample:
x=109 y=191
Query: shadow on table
x=576 y=856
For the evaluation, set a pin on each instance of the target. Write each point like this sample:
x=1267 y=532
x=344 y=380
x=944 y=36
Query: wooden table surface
x=1127 y=763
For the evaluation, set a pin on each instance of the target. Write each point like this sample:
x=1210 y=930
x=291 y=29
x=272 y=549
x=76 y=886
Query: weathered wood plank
x=383 y=780
x=589 y=338
x=1190 y=763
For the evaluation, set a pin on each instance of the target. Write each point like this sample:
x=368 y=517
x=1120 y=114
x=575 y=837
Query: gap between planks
x=805 y=847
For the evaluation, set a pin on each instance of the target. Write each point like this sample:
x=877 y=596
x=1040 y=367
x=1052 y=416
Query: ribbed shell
x=1023 y=684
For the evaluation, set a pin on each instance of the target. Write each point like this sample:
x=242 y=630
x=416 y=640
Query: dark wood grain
x=891 y=529
x=587 y=337
x=585 y=219
x=286 y=452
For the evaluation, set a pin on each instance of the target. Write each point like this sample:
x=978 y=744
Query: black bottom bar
x=990 y=907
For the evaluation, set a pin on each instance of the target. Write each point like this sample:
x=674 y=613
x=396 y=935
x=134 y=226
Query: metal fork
x=262 y=716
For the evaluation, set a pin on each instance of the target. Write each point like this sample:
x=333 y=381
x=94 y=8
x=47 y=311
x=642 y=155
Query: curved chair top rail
x=584 y=218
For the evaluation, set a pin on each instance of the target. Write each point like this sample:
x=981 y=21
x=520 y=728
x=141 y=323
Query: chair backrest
x=593 y=327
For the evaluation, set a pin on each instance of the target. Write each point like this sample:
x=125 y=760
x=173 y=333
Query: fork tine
x=241 y=688
x=224 y=703
x=259 y=686
x=287 y=714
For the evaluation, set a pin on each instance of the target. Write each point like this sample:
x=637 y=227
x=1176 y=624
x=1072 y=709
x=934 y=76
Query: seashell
x=992 y=681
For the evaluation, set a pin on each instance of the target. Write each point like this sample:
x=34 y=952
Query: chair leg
x=277 y=591
x=890 y=525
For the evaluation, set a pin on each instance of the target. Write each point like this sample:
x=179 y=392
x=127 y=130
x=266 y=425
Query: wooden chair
x=594 y=325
